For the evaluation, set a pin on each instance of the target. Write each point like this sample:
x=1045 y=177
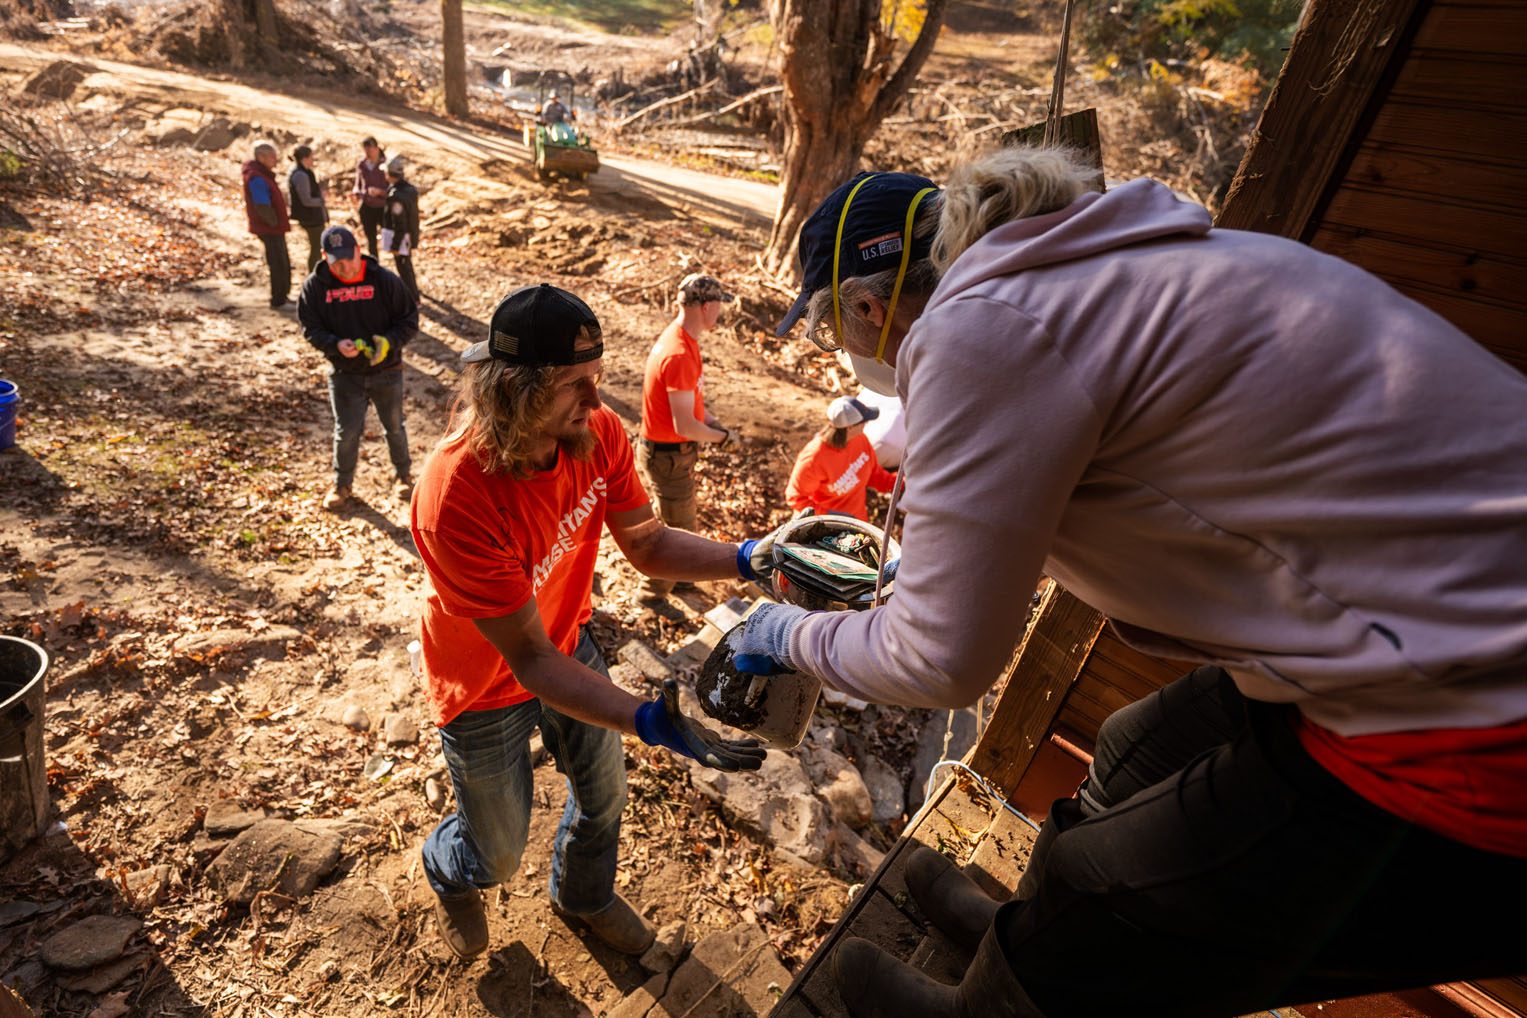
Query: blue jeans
x=487 y=753
x=348 y=396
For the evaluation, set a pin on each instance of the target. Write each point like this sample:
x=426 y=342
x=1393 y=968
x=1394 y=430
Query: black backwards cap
x=537 y=326
x=872 y=234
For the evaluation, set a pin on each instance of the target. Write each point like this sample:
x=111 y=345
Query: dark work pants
x=1210 y=868
x=371 y=222
x=315 y=248
x=405 y=267
x=349 y=394
x=280 y=266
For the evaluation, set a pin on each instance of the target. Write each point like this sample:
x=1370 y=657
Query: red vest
x=255 y=168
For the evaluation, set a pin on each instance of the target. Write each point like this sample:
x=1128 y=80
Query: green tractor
x=560 y=149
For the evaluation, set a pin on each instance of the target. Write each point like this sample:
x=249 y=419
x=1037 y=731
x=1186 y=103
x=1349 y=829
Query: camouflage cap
x=697 y=288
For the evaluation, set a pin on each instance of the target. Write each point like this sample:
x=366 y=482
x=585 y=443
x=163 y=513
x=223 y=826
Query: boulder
x=400 y=730
x=886 y=793
x=854 y=852
x=930 y=749
x=218 y=135
x=775 y=802
x=274 y=855
x=94 y=940
x=839 y=785
x=729 y=972
x=225 y=817
x=58 y=80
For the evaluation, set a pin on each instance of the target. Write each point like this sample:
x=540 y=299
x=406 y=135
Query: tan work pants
x=670 y=478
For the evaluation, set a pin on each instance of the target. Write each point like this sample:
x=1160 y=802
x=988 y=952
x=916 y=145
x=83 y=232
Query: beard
x=578 y=446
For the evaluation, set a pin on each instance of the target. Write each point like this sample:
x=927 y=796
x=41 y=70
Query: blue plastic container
x=10 y=397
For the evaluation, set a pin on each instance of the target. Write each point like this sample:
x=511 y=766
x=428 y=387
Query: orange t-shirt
x=1468 y=784
x=491 y=542
x=835 y=480
x=674 y=363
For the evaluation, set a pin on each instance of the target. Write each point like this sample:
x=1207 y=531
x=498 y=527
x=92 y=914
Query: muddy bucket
x=23 y=772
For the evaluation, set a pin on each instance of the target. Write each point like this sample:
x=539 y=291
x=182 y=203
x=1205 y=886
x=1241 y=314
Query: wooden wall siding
x=1115 y=675
x=1434 y=199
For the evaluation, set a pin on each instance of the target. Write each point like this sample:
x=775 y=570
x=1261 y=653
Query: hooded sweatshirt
x=331 y=309
x=1245 y=452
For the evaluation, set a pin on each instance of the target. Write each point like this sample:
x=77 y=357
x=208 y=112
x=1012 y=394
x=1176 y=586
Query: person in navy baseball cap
x=338 y=244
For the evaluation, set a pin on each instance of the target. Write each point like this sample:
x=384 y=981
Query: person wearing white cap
x=836 y=469
x=400 y=222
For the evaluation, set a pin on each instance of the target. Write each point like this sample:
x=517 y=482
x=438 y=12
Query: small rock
x=146 y=887
x=645 y=660
x=274 y=855
x=377 y=766
x=225 y=817
x=94 y=940
x=666 y=950
x=889 y=798
x=355 y=717
x=434 y=795
x=400 y=730
x=99 y=980
x=58 y=80
x=839 y=699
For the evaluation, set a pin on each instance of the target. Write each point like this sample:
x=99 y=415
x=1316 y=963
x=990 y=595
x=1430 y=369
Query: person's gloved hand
x=888 y=571
x=761 y=645
x=755 y=558
x=661 y=723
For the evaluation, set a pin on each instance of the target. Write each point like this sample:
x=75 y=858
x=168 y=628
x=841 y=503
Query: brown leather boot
x=463 y=925
x=875 y=985
x=952 y=901
x=617 y=924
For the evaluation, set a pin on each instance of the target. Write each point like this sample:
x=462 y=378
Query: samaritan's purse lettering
x=567 y=530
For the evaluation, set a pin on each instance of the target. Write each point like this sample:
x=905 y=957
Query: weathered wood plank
x=1462 y=133
x=1002 y=855
x=1475 y=30
x=1047 y=663
x=1439 y=175
x=1500 y=329
x=1499 y=82
x=1341 y=52
x=1467 y=272
x=1429 y=222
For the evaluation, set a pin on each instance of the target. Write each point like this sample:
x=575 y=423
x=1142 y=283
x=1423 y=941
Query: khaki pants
x=670 y=477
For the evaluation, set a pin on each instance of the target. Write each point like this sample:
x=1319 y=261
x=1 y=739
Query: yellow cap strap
x=837 y=251
x=901 y=272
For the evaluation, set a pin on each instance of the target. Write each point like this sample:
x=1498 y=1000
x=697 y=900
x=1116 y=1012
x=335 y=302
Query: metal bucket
x=24 y=805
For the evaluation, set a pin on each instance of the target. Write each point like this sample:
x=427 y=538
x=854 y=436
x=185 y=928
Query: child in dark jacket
x=400 y=223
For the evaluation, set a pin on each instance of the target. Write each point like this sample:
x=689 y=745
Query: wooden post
x=1048 y=661
x=1078 y=131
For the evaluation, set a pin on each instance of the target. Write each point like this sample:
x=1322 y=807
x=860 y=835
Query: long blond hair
x=981 y=195
x=500 y=409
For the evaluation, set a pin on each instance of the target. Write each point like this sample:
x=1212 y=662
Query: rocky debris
x=729 y=972
x=888 y=797
x=434 y=794
x=274 y=855
x=727 y=614
x=775 y=801
x=853 y=851
x=400 y=730
x=94 y=940
x=666 y=950
x=15 y=911
x=218 y=135
x=58 y=80
x=630 y=678
x=930 y=743
x=355 y=717
x=837 y=699
x=641 y=1001
x=645 y=660
x=225 y=817
x=269 y=642
x=839 y=785
x=146 y=887
x=99 y=980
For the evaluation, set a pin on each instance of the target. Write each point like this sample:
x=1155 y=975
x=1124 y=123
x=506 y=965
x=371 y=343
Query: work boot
x=463 y=924
x=952 y=901
x=337 y=498
x=875 y=985
x=403 y=488
x=617 y=924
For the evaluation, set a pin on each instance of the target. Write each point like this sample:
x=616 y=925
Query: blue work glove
x=888 y=572
x=761 y=645
x=661 y=723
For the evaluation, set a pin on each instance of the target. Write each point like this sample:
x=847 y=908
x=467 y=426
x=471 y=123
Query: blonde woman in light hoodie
x=1252 y=456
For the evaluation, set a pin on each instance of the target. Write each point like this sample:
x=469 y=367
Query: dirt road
x=707 y=196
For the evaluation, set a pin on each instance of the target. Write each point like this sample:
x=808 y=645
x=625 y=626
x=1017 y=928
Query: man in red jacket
x=838 y=466
x=265 y=206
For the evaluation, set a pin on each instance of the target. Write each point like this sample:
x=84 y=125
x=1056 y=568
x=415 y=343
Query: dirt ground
x=209 y=624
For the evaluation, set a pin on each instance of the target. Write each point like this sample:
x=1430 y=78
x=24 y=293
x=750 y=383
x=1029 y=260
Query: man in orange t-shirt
x=674 y=418
x=507 y=518
x=838 y=466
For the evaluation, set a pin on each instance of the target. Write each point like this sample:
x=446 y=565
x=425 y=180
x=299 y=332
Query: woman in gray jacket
x=308 y=209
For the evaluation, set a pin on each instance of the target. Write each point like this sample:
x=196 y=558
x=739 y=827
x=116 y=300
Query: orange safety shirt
x=490 y=542
x=835 y=480
x=673 y=364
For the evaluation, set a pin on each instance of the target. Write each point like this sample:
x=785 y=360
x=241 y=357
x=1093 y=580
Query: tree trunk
x=265 y=21
x=841 y=80
x=455 y=58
